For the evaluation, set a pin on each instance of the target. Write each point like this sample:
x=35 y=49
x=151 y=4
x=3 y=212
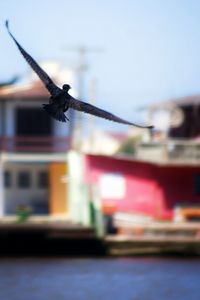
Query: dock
x=126 y=245
x=48 y=238
x=155 y=238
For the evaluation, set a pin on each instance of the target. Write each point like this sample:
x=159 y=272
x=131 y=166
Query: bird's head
x=66 y=87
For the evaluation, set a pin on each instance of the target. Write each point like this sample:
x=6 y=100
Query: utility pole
x=92 y=100
x=81 y=70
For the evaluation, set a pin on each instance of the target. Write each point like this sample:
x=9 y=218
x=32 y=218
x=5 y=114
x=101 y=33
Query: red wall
x=177 y=186
x=150 y=189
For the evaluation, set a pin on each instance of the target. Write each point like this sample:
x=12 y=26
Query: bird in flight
x=60 y=100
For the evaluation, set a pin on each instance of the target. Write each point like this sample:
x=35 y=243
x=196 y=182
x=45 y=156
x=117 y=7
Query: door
x=58 y=189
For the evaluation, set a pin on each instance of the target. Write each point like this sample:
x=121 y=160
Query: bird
x=60 y=100
x=13 y=80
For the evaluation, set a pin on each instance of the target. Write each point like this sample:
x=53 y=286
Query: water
x=99 y=279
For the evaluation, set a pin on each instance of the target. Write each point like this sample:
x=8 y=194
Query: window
x=112 y=185
x=24 y=179
x=38 y=122
x=7 y=179
x=42 y=179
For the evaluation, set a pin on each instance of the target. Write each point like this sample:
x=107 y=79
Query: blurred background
x=91 y=187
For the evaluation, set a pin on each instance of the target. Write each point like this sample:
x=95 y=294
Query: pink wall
x=150 y=189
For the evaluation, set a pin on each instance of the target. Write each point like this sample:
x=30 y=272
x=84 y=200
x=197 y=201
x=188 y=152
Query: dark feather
x=49 y=84
x=93 y=110
x=55 y=111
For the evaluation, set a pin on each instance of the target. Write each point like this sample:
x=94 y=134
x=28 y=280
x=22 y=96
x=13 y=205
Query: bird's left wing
x=93 y=110
x=47 y=81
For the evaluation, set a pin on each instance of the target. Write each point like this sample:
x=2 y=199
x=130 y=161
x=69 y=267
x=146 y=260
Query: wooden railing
x=34 y=144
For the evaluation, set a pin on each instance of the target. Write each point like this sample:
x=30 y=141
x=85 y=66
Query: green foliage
x=129 y=146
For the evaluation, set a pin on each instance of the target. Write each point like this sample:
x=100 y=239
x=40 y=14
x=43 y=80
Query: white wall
x=9 y=119
x=14 y=195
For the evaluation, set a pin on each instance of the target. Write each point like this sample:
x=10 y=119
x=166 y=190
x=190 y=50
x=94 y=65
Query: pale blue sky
x=151 y=47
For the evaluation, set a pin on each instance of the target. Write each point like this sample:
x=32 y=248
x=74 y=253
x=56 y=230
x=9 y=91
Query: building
x=33 y=157
x=190 y=126
x=95 y=143
x=160 y=177
x=38 y=170
x=184 y=114
x=142 y=188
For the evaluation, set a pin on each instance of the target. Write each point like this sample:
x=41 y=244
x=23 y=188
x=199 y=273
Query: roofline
x=181 y=101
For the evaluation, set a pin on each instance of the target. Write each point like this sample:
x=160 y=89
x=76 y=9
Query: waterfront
x=101 y=278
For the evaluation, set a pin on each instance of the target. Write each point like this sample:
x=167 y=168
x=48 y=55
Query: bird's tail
x=55 y=111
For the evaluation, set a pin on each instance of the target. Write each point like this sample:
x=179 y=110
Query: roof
x=34 y=90
x=182 y=101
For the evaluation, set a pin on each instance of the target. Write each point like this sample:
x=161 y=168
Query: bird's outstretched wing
x=93 y=110
x=49 y=84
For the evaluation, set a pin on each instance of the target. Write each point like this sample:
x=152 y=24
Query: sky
x=148 y=50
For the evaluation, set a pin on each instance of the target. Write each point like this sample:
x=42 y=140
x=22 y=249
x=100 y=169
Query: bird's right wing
x=98 y=112
x=49 y=84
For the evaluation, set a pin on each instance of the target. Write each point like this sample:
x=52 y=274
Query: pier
x=52 y=237
x=48 y=238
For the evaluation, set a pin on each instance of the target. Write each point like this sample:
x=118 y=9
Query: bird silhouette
x=10 y=82
x=60 y=100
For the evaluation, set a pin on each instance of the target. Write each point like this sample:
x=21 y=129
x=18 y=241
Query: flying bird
x=10 y=82
x=60 y=100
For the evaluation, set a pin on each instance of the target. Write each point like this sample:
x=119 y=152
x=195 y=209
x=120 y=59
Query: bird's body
x=60 y=100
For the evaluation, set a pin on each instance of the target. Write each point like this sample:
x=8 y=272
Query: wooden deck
x=126 y=245
x=165 y=240
x=155 y=238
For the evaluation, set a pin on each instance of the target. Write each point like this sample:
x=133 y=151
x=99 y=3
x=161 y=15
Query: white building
x=33 y=147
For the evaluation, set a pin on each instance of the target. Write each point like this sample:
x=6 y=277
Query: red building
x=128 y=185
